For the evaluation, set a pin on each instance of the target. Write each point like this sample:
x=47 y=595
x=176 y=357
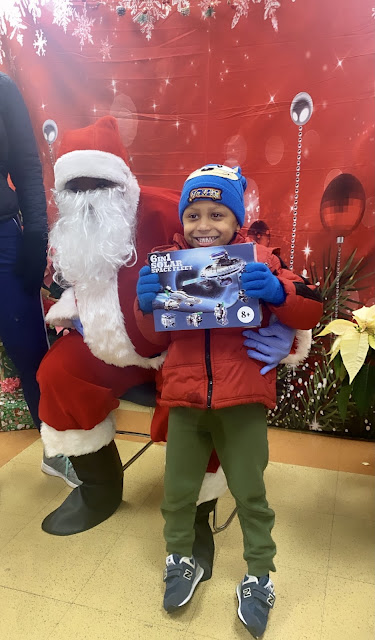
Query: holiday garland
x=16 y=15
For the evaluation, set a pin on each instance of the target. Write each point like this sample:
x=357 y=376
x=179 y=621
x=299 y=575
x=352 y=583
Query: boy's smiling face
x=208 y=224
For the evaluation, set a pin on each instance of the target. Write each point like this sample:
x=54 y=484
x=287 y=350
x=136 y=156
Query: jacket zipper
x=207 y=356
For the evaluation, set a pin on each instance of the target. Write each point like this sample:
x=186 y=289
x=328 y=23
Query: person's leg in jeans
x=23 y=333
x=22 y=328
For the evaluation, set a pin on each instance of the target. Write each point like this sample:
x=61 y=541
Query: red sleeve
x=303 y=306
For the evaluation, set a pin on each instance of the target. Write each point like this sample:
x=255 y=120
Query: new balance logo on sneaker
x=181 y=576
x=254 y=603
x=188 y=574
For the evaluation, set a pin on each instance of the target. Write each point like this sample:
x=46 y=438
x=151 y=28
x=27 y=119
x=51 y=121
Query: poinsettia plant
x=353 y=355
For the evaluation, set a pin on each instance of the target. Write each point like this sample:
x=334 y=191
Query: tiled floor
x=106 y=584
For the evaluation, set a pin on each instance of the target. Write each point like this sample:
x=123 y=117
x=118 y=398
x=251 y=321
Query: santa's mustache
x=94 y=235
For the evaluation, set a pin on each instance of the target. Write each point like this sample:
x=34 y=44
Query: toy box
x=202 y=288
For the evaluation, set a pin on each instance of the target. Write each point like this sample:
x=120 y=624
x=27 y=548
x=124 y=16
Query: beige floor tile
x=10 y=525
x=25 y=616
x=131 y=570
x=84 y=623
x=355 y=496
x=53 y=566
x=301 y=487
x=25 y=490
x=348 y=610
x=352 y=549
x=302 y=537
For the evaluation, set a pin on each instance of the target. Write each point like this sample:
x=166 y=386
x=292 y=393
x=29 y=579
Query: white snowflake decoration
x=40 y=43
x=182 y=5
x=241 y=9
x=105 y=49
x=83 y=28
x=147 y=12
x=63 y=13
x=270 y=7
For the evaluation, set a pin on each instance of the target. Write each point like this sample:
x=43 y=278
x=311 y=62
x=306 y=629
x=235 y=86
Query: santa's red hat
x=95 y=151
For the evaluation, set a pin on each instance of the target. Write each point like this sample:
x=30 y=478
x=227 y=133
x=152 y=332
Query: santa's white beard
x=91 y=241
x=94 y=235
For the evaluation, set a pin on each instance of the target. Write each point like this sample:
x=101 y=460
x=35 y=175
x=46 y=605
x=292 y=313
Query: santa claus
x=106 y=226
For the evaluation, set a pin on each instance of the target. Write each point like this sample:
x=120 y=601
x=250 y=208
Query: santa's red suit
x=81 y=378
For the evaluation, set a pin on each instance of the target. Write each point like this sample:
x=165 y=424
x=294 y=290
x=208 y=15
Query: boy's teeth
x=206 y=240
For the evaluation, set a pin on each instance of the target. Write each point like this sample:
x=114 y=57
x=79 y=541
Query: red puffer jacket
x=210 y=368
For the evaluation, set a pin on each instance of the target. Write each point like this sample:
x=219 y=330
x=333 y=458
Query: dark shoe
x=256 y=596
x=96 y=499
x=181 y=577
x=204 y=547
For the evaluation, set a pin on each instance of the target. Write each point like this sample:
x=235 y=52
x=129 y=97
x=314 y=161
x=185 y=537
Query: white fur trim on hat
x=213 y=486
x=78 y=442
x=90 y=163
x=62 y=312
x=303 y=344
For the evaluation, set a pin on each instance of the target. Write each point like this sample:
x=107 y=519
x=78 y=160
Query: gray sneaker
x=61 y=467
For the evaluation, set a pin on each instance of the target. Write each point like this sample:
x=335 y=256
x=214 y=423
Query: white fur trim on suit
x=213 y=486
x=104 y=326
x=62 y=312
x=93 y=164
x=303 y=344
x=77 y=442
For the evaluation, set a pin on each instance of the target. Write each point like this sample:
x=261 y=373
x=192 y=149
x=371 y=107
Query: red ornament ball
x=342 y=205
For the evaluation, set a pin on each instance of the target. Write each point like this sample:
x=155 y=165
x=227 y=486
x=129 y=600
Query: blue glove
x=148 y=286
x=77 y=324
x=269 y=344
x=259 y=282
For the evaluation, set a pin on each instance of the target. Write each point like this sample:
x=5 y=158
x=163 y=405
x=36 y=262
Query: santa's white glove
x=62 y=313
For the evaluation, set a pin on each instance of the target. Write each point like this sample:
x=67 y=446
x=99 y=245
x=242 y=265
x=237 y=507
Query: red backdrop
x=198 y=90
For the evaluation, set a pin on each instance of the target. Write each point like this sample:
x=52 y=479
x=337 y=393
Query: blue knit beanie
x=218 y=183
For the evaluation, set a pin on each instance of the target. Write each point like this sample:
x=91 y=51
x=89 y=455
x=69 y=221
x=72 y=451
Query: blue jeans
x=22 y=328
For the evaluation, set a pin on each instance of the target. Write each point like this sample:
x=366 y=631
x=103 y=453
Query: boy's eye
x=216 y=214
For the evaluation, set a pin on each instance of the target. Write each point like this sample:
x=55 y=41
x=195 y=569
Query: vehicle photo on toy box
x=202 y=288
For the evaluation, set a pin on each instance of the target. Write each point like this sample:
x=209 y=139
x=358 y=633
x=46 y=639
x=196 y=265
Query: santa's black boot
x=96 y=499
x=204 y=546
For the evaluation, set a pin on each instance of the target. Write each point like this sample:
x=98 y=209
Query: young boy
x=218 y=397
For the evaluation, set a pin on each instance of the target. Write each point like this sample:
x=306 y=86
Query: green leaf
x=343 y=400
x=339 y=368
x=364 y=389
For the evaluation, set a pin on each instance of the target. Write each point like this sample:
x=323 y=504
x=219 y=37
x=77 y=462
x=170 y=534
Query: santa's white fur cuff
x=77 y=442
x=213 y=486
x=303 y=344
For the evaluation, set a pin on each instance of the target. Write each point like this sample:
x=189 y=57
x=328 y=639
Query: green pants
x=239 y=435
